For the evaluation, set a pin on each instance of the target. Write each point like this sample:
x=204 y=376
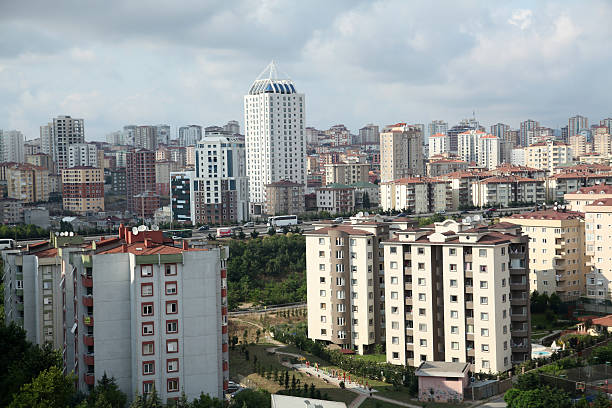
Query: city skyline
x=114 y=73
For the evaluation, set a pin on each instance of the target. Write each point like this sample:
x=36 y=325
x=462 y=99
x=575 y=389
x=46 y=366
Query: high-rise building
x=339 y=135
x=135 y=306
x=83 y=189
x=463 y=126
x=438 y=144
x=182 y=202
x=607 y=123
x=437 y=127
x=41 y=160
x=190 y=135
x=467 y=145
x=232 y=127
x=129 y=134
x=285 y=197
x=417 y=195
x=83 y=154
x=140 y=179
x=11 y=146
x=499 y=130
x=346 y=173
x=145 y=137
x=457 y=292
x=576 y=124
x=548 y=155
x=344 y=265
x=162 y=134
x=221 y=185
x=116 y=138
x=163 y=169
x=602 y=141
x=597 y=231
x=274 y=129
x=369 y=134
x=57 y=136
x=401 y=152
x=557 y=259
x=527 y=126
x=26 y=182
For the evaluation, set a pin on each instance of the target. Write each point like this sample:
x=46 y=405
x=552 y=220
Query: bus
x=282 y=220
x=224 y=232
x=183 y=233
x=7 y=243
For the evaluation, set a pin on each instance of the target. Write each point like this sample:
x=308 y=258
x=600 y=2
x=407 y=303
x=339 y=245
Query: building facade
x=548 y=155
x=11 y=146
x=336 y=199
x=275 y=115
x=285 y=197
x=83 y=154
x=416 y=195
x=401 y=152
x=57 y=136
x=182 y=203
x=346 y=173
x=83 y=189
x=139 y=179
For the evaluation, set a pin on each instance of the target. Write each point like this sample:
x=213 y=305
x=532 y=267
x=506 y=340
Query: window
x=484 y=300
x=485 y=347
x=321 y=267
x=453 y=283
x=147 y=387
x=395 y=325
x=321 y=279
x=147 y=309
x=394 y=309
x=172 y=365
x=505 y=329
x=148 y=329
x=503 y=282
x=453 y=267
x=393 y=265
x=484 y=285
x=395 y=340
x=420 y=251
x=423 y=342
x=484 y=332
x=455 y=345
x=323 y=306
x=485 y=364
x=170 y=269
x=505 y=345
x=393 y=295
x=421 y=296
x=321 y=241
x=172 y=346
x=172 y=326
x=340 y=308
x=454 y=314
x=421 y=266
x=452 y=251
x=321 y=254
x=173 y=384
x=148 y=367
x=170 y=288
x=352 y=242
x=339 y=268
x=340 y=294
x=454 y=329
x=482 y=252
x=422 y=327
x=394 y=280
x=323 y=319
x=483 y=268
x=484 y=316
x=422 y=311
x=148 y=348
x=146 y=289
x=340 y=254
x=323 y=332
x=453 y=298
x=171 y=307
x=421 y=281
x=395 y=355
x=393 y=249
x=146 y=271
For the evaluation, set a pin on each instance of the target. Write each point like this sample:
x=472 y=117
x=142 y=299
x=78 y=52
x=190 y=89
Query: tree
x=543 y=397
x=50 y=389
x=205 y=401
x=251 y=399
x=366 y=201
x=271 y=231
x=109 y=391
x=286 y=379
x=254 y=234
x=601 y=401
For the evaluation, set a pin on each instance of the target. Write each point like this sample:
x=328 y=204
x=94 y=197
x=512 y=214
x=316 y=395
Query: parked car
x=339 y=220
x=176 y=237
x=204 y=228
x=280 y=231
x=249 y=224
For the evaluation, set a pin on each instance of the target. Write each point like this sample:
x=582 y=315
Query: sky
x=117 y=62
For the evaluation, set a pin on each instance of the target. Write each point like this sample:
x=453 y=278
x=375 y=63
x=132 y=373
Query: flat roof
x=441 y=369
x=286 y=401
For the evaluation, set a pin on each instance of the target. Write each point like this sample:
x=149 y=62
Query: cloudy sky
x=117 y=62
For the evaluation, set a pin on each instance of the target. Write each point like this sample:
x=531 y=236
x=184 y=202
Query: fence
x=486 y=389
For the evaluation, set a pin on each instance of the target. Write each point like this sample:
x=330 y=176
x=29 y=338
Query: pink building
x=442 y=381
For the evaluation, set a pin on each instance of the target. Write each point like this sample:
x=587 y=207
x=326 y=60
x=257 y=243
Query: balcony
x=469 y=273
x=20 y=307
x=520 y=285
x=89 y=379
x=469 y=336
x=470 y=352
x=88 y=320
x=409 y=347
x=518 y=317
x=88 y=359
x=519 y=331
x=408 y=301
x=223 y=293
x=88 y=300
x=88 y=340
x=469 y=289
x=87 y=281
x=518 y=301
x=19 y=292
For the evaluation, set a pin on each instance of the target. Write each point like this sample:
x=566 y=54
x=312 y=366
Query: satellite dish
x=467 y=220
x=155 y=227
x=555 y=208
x=71 y=233
x=135 y=230
x=57 y=233
x=142 y=228
x=477 y=217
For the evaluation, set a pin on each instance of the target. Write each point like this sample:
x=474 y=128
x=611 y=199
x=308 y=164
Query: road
x=495 y=403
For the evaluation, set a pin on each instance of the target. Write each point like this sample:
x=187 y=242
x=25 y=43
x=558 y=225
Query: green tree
x=254 y=234
x=108 y=389
x=366 y=201
x=251 y=399
x=271 y=231
x=205 y=401
x=543 y=397
x=50 y=389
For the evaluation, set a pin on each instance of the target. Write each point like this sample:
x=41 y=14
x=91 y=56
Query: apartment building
x=441 y=167
x=577 y=200
x=285 y=197
x=598 y=233
x=344 y=272
x=438 y=144
x=135 y=307
x=346 y=173
x=182 y=202
x=41 y=160
x=557 y=260
x=580 y=145
x=602 y=141
x=83 y=154
x=504 y=190
x=83 y=189
x=140 y=182
x=11 y=211
x=457 y=292
x=559 y=185
x=163 y=169
x=11 y=146
x=417 y=195
x=460 y=183
x=26 y=182
x=548 y=155
x=336 y=198
x=56 y=137
x=401 y=152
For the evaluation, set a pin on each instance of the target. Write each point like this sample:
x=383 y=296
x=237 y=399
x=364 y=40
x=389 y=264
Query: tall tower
x=274 y=117
x=577 y=123
x=56 y=137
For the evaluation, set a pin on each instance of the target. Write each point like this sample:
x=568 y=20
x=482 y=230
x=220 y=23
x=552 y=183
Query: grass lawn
x=240 y=367
x=539 y=322
x=374 y=403
x=377 y=358
x=538 y=334
x=386 y=390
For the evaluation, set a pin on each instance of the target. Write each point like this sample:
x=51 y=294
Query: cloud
x=117 y=62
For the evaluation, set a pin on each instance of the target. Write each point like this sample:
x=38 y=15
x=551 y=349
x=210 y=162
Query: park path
x=268 y=338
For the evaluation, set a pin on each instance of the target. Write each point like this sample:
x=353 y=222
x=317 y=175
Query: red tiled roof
x=344 y=228
x=46 y=253
x=508 y=179
x=603 y=321
x=139 y=248
x=549 y=215
x=602 y=201
x=596 y=189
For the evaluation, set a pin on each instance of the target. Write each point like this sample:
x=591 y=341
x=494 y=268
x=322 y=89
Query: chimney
x=148 y=242
x=121 y=231
x=185 y=245
x=124 y=248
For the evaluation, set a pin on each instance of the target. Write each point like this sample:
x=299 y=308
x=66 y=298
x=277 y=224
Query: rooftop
x=269 y=82
x=442 y=369
x=548 y=215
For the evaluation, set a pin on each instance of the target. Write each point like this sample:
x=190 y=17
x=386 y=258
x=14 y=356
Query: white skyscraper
x=274 y=127
x=11 y=146
x=56 y=136
x=82 y=154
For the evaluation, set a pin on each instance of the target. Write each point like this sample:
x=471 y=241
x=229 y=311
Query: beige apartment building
x=346 y=173
x=458 y=292
x=598 y=241
x=548 y=155
x=344 y=274
x=601 y=141
x=83 y=189
x=418 y=195
x=336 y=198
x=578 y=200
x=285 y=197
x=27 y=183
x=502 y=191
x=579 y=145
x=557 y=260
x=401 y=152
